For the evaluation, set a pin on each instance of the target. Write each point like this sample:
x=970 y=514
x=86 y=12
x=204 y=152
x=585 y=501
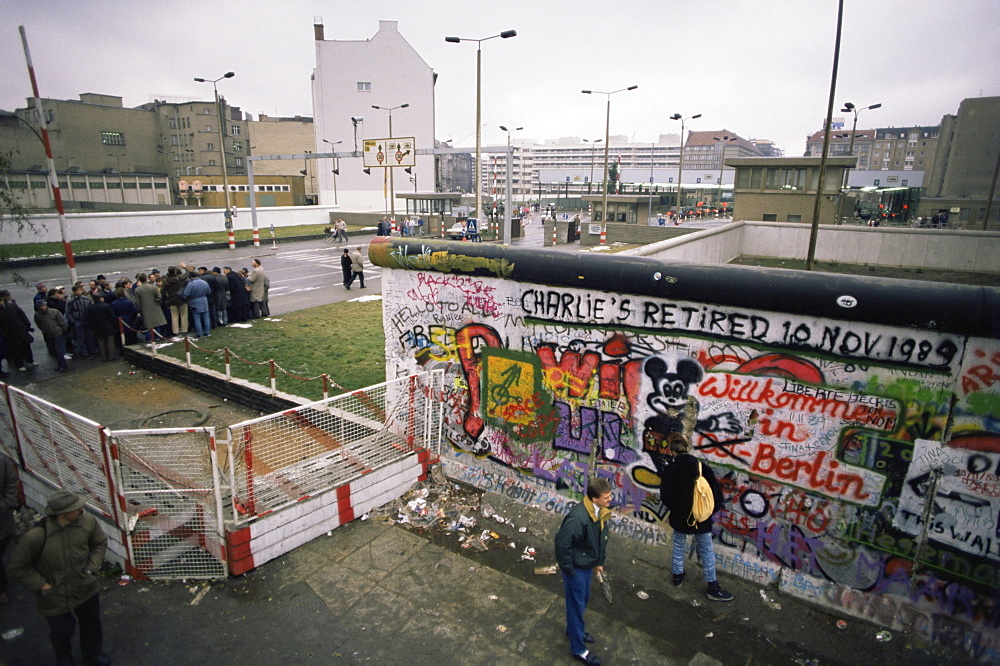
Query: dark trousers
x=62 y=627
x=577 y=589
x=359 y=276
x=57 y=350
x=4 y=542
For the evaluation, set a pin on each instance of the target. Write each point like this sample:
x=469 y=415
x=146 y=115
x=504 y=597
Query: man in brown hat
x=58 y=561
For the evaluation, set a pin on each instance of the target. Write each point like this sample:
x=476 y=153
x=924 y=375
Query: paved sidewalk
x=372 y=591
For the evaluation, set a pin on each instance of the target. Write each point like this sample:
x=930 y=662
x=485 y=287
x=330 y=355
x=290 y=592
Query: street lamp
x=593 y=153
x=723 y=140
x=121 y=180
x=850 y=108
x=222 y=152
x=510 y=155
x=392 y=189
x=506 y=34
x=680 y=166
x=607 y=139
x=336 y=169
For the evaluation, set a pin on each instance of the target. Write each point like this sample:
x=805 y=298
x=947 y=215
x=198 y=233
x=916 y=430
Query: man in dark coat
x=16 y=331
x=677 y=493
x=104 y=323
x=239 y=298
x=220 y=292
x=581 y=546
x=345 y=267
x=8 y=504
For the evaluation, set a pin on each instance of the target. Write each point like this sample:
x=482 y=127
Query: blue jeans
x=577 y=589
x=202 y=322
x=706 y=553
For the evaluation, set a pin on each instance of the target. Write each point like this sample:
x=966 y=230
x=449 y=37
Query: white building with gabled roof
x=350 y=77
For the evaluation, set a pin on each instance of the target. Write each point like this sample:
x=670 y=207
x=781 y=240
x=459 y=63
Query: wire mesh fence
x=284 y=458
x=169 y=487
x=65 y=449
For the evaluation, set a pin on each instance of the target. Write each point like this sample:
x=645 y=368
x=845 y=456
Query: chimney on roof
x=318 y=28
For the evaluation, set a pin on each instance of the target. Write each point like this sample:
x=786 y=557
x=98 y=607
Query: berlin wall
x=854 y=423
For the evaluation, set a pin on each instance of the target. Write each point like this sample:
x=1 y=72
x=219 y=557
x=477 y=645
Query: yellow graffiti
x=511 y=392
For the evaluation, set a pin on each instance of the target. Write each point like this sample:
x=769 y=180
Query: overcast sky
x=760 y=68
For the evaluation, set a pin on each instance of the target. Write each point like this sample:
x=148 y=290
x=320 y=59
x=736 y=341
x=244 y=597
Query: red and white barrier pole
x=256 y=237
x=604 y=235
x=555 y=235
x=232 y=239
x=53 y=177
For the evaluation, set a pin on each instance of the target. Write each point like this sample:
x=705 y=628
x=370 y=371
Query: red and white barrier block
x=281 y=531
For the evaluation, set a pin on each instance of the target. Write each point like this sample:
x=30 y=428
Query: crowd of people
x=85 y=323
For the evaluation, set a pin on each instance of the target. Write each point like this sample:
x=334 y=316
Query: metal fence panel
x=8 y=441
x=64 y=448
x=172 y=502
x=283 y=458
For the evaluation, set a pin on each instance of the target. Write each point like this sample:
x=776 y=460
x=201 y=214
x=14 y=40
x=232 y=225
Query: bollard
x=187 y=350
x=604 y=235
x=256 y=237
x=326 y=386
x=232 y=240
x=229 y=375
x=274 y=382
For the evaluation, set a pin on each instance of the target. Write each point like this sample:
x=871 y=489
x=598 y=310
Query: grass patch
x=97 y=245
x=345 y=340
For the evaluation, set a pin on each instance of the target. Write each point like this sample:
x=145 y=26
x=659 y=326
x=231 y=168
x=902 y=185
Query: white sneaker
x=67 y=356
x=33 y=364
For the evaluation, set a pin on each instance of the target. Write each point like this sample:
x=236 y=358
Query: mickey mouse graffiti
x=676 y=411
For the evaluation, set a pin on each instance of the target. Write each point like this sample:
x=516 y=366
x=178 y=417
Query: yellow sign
x=396 y=152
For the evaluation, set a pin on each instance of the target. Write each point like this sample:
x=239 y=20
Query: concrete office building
x=350 y=77
x=964 y=168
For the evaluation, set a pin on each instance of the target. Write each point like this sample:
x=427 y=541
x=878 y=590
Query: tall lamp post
x=392 y=189
x=680 y=165
x=222 y=152
x=336 y=169
x=723 y=140
x=850 y=108
x=593 y=153
x=121 y=179
x=506 y=34
x=510 y=155
x=607 y=139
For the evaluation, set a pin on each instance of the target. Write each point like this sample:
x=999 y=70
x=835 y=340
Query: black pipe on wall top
x=936 y=306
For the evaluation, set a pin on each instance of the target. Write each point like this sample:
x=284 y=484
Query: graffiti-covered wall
x=854 y=423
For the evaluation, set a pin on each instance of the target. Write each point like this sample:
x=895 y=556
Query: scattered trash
x=200 y=595
x=502 y=629
x=769 y=601
x=841 y=624
x=605 y=585
x=710 y=634
x=522 y=530
x=466 y=521
x=125 y=580
x=144 y=589
x=486 y=510
x=477 y=544
x=330 y=533
x=763 y=595
x=493 y=597
x=12 y=633
x=546 y=571
x=642 y=595
x=695 y=603
x=494 y=535
x=513 y=546
x=883 y=637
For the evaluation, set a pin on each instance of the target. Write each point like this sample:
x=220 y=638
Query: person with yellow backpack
x=691 y=506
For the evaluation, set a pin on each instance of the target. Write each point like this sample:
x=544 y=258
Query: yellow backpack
x=703 y=504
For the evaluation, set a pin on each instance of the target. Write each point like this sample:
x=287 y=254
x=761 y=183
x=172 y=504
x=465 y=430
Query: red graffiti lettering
x=809 y=473
x=465 y=342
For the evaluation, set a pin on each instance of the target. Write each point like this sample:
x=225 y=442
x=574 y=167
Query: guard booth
x=622 y=208
x=439 y=209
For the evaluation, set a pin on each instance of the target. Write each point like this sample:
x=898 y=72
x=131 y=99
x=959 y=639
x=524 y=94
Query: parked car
x=457 y=231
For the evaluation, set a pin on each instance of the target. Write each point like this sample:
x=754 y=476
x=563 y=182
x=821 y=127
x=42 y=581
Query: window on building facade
x=238 y=145
x=239 y=161
x=235 y=129
x=364 y=86
x=209 y=146
x=112 y=138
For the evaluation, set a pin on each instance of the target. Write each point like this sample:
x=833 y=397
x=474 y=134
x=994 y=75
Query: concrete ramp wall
x=975 y=251
x=853 y=422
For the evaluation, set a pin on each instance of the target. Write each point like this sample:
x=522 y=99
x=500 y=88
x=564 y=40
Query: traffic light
x=367 y=171
x=408 y=170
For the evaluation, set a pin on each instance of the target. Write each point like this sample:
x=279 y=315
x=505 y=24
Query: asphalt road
x=303 y=274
